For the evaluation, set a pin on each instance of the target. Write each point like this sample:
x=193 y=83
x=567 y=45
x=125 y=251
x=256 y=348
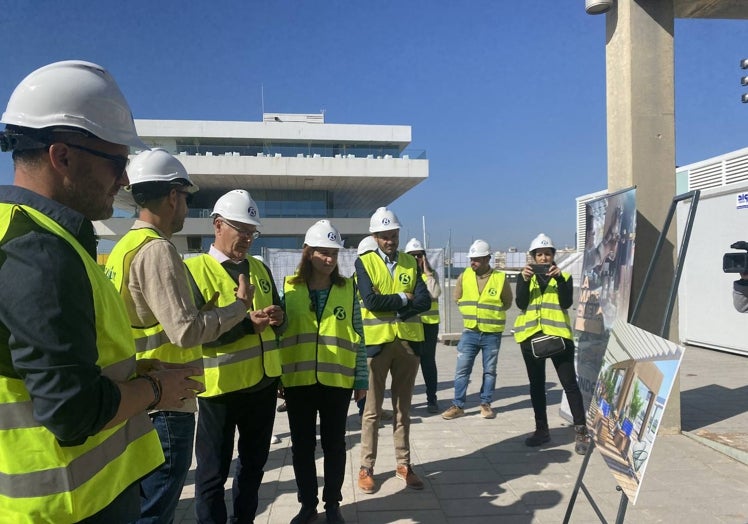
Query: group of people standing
x=101 y=373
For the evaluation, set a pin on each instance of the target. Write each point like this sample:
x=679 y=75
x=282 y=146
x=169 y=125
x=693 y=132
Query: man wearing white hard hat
x=430 y=321
x=75 y=438
x=393 y=294
x=242 y=367
x=483 y=296
x=149 y=273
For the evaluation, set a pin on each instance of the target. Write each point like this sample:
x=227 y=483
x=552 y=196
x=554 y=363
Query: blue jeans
x=160 y=490
x=471 y=342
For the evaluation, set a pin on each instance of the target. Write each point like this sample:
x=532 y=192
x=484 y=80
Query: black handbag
x=547 y=346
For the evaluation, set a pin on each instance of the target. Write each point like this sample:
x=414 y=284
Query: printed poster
x=631 y=393
x=605 y=285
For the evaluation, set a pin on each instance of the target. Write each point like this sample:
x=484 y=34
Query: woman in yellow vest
x=324 y=359
x=544 y=294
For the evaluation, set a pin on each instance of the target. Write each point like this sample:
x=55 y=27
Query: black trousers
x=428 y=360
x=304 y=402
x=564 y=364
x=253 y=414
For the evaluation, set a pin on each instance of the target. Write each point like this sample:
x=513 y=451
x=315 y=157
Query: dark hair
x=145 y=192
x=304 y=271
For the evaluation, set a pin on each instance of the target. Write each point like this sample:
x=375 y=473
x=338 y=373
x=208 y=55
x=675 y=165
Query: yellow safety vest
x=41 y=481
x=323 y=351
x=381 y=327
x=243 y=363
x=150 y=341
x=543 y=313
x=432 y=315
x=485 y=311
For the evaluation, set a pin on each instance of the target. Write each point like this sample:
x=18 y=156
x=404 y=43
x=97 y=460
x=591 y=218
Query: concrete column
x=641 y=147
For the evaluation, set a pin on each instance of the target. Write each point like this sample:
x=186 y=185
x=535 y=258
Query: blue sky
x=507 y=98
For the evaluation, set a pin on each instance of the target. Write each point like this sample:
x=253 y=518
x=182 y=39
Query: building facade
x=297 y=168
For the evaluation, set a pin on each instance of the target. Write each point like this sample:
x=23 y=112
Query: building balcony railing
x=300 y=151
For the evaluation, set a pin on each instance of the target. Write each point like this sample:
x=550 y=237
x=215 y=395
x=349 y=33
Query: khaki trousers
x=398 y=359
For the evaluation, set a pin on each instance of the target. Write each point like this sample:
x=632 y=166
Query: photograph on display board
x=605 y=286
x=630 y=396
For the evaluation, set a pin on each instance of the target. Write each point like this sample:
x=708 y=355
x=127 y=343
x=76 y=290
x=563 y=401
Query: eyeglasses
x=254 y=235
x=118 y=161
x=187 y=196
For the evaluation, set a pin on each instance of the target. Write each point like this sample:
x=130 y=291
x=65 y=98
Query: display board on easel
x=634 y=384
x=631 y=393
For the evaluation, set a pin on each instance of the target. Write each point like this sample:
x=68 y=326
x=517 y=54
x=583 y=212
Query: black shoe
x=306 y=514
x=334 y=516
x=541 y=435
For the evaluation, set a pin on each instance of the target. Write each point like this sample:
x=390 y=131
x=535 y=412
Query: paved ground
x=479 y=471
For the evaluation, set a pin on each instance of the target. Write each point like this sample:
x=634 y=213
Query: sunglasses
x=254 y=235
x=118 y=161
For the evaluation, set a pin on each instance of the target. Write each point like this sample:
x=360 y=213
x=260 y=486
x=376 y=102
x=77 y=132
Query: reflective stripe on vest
x=432 y=315
x=324 y=351
x=381 y=327
x=150 y=341
x=243 y=363
x=41 y=481
x=543 y=313
x=485 y=311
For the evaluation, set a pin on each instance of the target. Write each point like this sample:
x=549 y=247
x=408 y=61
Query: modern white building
x=296 y=167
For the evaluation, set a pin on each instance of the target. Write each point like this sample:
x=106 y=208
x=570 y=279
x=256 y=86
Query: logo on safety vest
x=492 y=291
x=404 y=279
x=339 y=312
x=264 y=285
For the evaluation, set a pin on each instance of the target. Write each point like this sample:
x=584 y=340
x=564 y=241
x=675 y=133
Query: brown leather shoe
x=366 y=482
x=405 y=472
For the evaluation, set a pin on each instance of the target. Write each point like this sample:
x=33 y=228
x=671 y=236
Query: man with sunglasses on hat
x=149 y=273
x=75 y=438
x=242 y=367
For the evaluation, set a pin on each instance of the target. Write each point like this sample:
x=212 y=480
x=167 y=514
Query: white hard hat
x=158 y=165
x=237 y=205
x=323 y=234
x=479 y=248
x=73 y=94
x=383 y=220
x=367 y=244
x=260 y=258
x=541 y=241
x=414 y=245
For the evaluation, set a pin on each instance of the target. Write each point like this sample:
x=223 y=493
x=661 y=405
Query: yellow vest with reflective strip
x=243 y=363
x=543 y=313
x=482 y=311
x=41 y=481
x=381 y=327
x=323 y=351
x=150 y=341
x=432 y=315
